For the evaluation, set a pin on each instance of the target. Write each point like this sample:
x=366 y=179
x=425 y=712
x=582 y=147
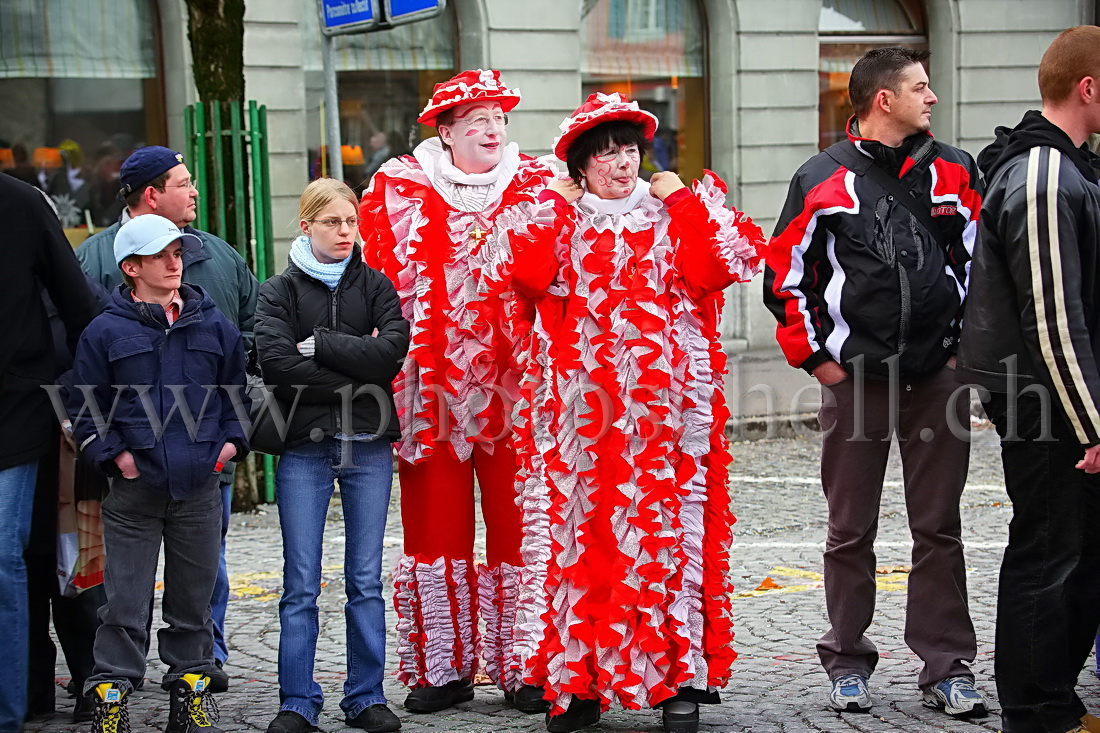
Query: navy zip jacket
x=162 y=391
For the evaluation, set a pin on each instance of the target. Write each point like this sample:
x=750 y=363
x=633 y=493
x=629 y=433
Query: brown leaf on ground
x=890 y=569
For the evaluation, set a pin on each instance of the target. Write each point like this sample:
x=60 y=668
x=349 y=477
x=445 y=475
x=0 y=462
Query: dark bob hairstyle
x=599 y=139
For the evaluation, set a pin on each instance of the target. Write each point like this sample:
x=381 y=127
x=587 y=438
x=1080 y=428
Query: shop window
x=848 y=29
x=653 y=51
x=79 y=90
x=383 y=81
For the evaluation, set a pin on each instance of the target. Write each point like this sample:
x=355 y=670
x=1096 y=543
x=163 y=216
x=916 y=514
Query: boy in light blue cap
x=142 y=411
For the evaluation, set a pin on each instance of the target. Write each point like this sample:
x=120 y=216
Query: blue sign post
x=339 y=17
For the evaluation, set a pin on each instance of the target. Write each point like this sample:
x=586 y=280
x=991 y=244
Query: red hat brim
x=643 y=118
x=507 y=102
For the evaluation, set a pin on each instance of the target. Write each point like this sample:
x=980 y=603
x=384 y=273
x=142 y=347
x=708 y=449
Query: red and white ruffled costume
x=623 y=458
x=454 y=396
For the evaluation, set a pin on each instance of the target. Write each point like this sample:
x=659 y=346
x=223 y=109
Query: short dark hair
x=135 y=196
x=446 y=117
x=880 y=68
x=126 y=278
x=598 y=139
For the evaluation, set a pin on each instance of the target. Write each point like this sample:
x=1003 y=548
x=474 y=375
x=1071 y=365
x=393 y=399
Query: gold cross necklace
x=477 y=233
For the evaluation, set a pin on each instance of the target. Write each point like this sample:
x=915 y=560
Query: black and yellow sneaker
x=193 y=709
x=109 y=714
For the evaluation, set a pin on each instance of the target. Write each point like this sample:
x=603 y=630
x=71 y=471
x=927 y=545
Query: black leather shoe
x=434 y=699
x=288 y=721
x=375 y=719
x=528 y=699
x=678 y=720
x=581 y=714
x=219 y=680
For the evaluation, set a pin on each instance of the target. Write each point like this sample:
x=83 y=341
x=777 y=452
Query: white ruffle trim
x=470 y=343
x=498 y=588
x=732 y=247
x=437 y=639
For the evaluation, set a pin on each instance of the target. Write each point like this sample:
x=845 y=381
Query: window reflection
x=383 y=81
x=848 y=29
x=73 y=109
x=653 y=52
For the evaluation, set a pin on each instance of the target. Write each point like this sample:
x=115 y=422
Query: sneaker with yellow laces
x=109 y=714
x=192 y=707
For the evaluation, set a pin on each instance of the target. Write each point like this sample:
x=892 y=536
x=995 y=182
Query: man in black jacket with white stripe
x=1032 y=338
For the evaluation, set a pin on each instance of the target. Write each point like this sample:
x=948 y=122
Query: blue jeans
x=304 y=486
x=16 y=503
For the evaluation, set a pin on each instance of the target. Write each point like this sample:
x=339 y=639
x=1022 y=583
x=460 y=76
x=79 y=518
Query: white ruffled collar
x=440 y=169
x=616 y=206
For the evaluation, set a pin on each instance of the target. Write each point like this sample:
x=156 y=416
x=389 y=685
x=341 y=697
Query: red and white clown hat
x=467 y=87
x=596 y=110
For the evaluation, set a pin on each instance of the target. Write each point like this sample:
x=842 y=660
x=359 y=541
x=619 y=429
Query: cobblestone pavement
x=777 y=683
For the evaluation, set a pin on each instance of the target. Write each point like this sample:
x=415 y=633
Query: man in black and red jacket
x=1032 y=339
x=867 y=275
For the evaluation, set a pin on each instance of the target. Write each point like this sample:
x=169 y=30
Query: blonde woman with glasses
x=330 y=339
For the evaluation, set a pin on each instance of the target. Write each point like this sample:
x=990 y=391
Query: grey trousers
x=855 y=447
x=135 y=520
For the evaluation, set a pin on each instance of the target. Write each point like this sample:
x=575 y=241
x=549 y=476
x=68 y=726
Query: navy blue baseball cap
x=145 y=164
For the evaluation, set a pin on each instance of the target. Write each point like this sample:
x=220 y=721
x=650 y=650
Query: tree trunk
x=215 y=29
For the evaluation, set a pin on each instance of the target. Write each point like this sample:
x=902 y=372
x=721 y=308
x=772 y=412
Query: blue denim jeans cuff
x=374 y=700
x=312 y=716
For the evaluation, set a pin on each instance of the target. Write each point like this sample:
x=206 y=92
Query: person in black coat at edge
x=37 y=257
x=74 y=618
x=330 y=338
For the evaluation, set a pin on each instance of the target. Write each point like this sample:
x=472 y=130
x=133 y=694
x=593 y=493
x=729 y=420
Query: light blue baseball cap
x=148 y=234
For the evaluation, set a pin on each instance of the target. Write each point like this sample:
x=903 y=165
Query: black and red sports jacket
x=852 y=273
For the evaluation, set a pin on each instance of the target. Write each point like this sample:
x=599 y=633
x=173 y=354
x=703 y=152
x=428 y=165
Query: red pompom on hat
x=469 y=86
x=598 y=109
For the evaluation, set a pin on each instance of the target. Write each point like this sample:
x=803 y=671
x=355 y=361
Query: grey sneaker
x=850 y=695
x=956 y=696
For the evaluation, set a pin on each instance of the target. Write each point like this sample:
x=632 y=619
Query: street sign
x=358 y=16
x=348 y=16
x=409 y=11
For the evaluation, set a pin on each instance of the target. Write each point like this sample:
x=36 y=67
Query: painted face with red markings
x=477 y=136
x=613 y=173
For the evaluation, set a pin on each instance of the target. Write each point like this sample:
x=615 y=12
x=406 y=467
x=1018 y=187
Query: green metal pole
x=266 y=202
x=259 y=232
x=199 y=166
x=236 y=140
x=259 y=227
x=189 y=133
x=219 y=168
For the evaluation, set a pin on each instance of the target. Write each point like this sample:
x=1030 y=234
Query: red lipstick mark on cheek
x=471 y=133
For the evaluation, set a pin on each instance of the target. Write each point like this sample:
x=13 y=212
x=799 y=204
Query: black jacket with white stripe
x=1032 y=315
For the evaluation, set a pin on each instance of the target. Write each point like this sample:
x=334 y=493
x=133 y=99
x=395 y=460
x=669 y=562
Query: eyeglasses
x=334 y=223
x=481 y=122
x=631 y=152
x=189 y=184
